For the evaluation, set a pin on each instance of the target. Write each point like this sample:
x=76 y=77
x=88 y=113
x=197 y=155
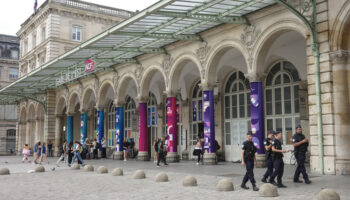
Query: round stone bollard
x=4 y=171
x=189 y=181
x=268 y=190
x=40 y=169
x=162 y=177
x=139 y=174
x=75 y=166
x=328 y=194
x=117 y=172
x=88 y=168
x=102 y=170
x=225 y=185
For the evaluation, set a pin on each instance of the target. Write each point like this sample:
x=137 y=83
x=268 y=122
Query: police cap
x=249 y=133
x=271 y=132
x=298 y=126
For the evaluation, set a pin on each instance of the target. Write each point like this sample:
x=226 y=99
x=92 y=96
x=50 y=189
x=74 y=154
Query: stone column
x=341 y=89
x=37 y=131
x=20 y=138
x=119 y=131
x=143 y=136
x=100 y=126
x=27 y=133
x=70 y=128
x=57 y=134
x=257 y=116
x=83 y=127
x=172 y=155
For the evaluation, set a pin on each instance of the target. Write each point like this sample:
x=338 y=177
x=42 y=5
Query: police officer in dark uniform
x=300 y=144
x=278 y=163
x=248 y=159
x=268 y=155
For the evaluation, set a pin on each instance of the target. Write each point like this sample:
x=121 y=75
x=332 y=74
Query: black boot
x=244 y=186
x=272 y=182
x=280 y=185
x=308 y=182
x=264 y=180
x=255 y=188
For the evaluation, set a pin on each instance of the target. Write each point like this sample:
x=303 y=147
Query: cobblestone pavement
x=65 y=183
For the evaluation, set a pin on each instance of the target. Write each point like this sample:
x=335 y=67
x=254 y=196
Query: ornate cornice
x=340 y=56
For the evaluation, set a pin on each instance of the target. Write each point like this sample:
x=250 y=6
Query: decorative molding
x=138 y=73
x=202 y=53
x=115 y=81
x=248 y=38
x=167 y=64
x=255 y=77
x=340 y=56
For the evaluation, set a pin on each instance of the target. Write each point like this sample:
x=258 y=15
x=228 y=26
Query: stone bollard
x=189 y=181
x=75 y=166
x=328 y=194
x=88 y=168
x=40 y=169
x=268 y=190
x=225 y=185
x=162 y=177
x=139 y=174
x=102 y=170
x=117 y=172
x=4 y=171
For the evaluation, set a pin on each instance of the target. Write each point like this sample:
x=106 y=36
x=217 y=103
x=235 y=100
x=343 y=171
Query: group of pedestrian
x=274 y=158
x=70 y=152
x=39 y=153
x=161 y=150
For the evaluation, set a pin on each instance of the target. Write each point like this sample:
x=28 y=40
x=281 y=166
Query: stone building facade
x=275 y=50
x=9 y=51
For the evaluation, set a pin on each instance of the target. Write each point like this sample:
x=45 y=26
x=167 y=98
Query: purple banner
x=209 y=121
x=257 y=115
x=200 y=111
x=143 y=127
x=172 y=124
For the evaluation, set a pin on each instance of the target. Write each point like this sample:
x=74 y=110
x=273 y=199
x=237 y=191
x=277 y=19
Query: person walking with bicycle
x=300 y=144
x=268 y=155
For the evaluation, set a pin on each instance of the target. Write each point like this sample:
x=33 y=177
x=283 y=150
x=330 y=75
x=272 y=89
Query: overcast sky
x=14 y=12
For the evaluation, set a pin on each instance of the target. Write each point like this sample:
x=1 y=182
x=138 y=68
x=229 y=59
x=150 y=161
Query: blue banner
x=257 y=115
x=119 y=128
x=100 y=127
x=83 y=128
x=69 y=129
x=209 y=121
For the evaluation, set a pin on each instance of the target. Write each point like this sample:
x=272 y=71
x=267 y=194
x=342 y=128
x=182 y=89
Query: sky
x=14 y=12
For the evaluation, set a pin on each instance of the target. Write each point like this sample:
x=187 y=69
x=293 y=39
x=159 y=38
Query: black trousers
x=95 y=154
x=278 y=165
x=104 y=153
x=249 y=175
x=300 y=157
x=161 y=156
x=269 y=170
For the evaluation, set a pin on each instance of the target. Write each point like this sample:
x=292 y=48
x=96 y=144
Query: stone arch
x=341 y=25
x=102 y=92
x=85 y=98
x=122 y=86
x=177 y=67
x=216 y=53
x=61 y=104
x=23 y=114
x=31 y=111
x=73 y=101
x=266 y=39
x=147 y=78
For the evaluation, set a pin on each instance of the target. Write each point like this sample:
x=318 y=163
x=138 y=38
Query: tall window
x=43 y=34
x=111 y=125
x=14 y=53
x=282 y=99
x=129 y=112
x=25 y=47
x=152 y=116
x=76 y=33
x=34 y=41
x=237 y=109
x=181 y=134
x=197 y=113
x=13 y=74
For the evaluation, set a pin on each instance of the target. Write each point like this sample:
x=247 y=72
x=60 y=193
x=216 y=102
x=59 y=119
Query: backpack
x=97 y=145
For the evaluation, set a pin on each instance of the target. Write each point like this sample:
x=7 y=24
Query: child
x=43 y=154
x=26 y=153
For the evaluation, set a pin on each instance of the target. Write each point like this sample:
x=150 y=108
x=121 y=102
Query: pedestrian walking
x=95 y=150
x=198 y=150
x=162 y=150
x=300 y=144
x=125 y=148
x=278 y=163
x=62 y=151
x=26 y=153
x=70 y=153
x=268 y=156
x=155 y=147
x=49 y=148
x=248 y=160
x=43 y=154
x=37 y=152
x=104 y=147
x=77 y=150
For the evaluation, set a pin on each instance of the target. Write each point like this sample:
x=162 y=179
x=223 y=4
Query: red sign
x=89 y=65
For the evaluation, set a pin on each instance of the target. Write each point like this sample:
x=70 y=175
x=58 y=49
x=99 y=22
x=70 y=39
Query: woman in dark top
x=125 y=148
x=70 y=152
x=49 y=148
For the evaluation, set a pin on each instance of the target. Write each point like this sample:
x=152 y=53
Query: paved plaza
x=65 y=183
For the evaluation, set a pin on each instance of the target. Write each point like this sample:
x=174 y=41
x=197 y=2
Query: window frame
x=75 y=30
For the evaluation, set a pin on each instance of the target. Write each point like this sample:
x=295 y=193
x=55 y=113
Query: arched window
x=129 y=117
x=282 y=99
x=197 y=113
x=181 y=136
x=111 y=125
x=237 y=113
x=152 y=117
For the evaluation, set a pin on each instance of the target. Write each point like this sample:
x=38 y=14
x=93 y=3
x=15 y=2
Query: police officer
x=278 y=163
x=248 y=159
x=300 y=144
x=268 y=155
